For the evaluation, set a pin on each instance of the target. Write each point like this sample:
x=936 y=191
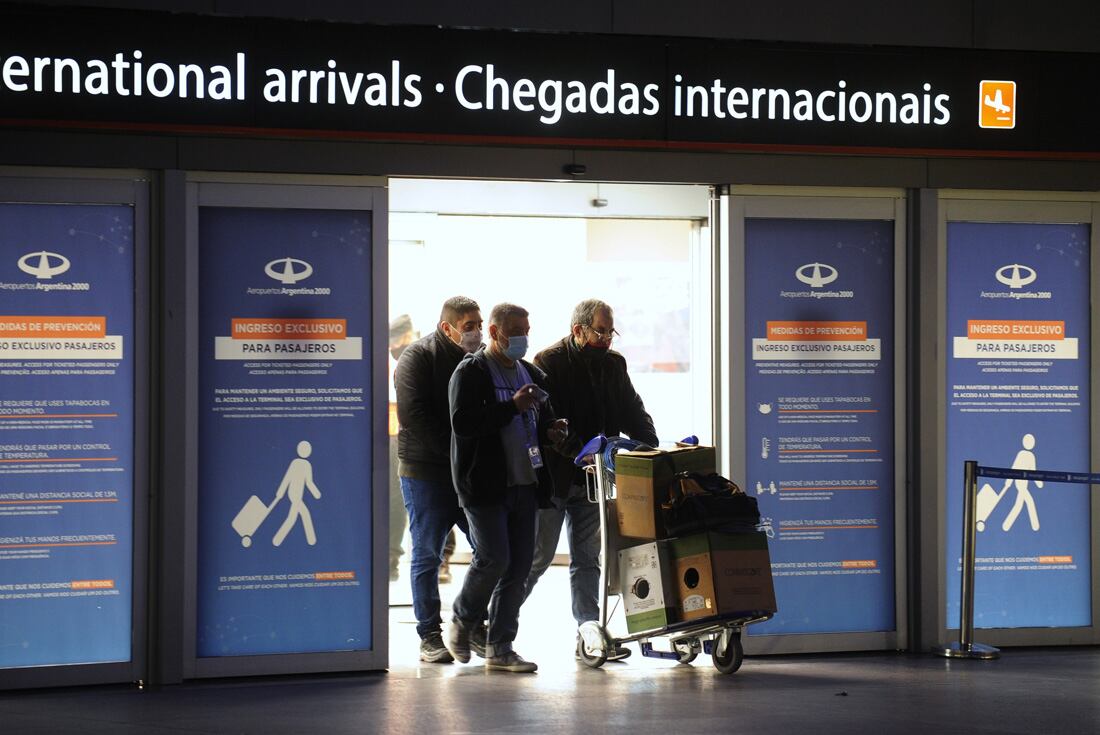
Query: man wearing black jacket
x=501 y=421
x=424 y=453
x=590 y=387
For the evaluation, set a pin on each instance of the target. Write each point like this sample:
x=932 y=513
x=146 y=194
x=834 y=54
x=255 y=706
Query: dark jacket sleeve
x=413 y=382
x=473 y=413
x=548 y=383
x=637 y=423
x=547 y=415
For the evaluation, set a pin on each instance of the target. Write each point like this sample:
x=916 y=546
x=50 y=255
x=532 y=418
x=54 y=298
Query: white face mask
x=471 y=340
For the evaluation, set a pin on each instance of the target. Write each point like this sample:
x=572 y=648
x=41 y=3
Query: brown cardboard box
x=641 y=485
x=615 y=543
x=723 y=574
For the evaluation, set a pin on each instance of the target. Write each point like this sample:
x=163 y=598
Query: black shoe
x=433 y=651
x=478 y=638
x=511 y=661
x=618 y=653
x=458 y=641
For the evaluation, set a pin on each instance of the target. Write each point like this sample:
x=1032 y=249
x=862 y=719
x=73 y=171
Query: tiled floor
x=1030 y=692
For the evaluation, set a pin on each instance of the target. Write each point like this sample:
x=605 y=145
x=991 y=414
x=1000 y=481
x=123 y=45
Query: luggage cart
x=719 y=635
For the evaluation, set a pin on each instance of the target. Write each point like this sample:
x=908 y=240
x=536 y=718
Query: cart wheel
x=686 y=651
x=594 y=633
x=589 y=660
x=728 y=657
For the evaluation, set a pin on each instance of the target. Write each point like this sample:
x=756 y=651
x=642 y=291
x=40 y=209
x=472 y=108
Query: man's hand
x=526 y=398
x=558 y=431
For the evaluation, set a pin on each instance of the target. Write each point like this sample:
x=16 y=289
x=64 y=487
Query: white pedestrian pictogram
x=298 y=477
x=1025 y=460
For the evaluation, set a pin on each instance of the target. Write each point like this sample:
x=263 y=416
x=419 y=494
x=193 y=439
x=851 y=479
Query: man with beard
x=589 y=386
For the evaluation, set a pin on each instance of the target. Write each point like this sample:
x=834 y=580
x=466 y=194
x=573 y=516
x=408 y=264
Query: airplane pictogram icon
x=997 y=103
x=997 y=107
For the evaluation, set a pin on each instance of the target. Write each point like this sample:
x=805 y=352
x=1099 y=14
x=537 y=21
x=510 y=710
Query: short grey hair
x=585 y=312
x=501 y=313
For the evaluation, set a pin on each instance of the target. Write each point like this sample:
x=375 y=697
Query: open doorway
x=644 y=249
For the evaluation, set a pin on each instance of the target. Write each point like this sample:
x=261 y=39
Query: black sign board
x=178 y=73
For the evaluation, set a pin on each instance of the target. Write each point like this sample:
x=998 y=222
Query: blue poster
x=66 y=433
x=1018 y=396
x=284 y=499
x=819 y=387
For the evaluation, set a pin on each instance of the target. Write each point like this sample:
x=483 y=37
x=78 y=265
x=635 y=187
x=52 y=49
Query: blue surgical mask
x=517 y=347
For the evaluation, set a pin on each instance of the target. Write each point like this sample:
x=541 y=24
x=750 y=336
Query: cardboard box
x=641 y=485
x=722 y=574
x=614 y=544
x=648 y=586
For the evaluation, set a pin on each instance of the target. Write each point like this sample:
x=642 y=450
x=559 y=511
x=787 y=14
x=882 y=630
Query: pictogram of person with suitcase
x=988 y=498
x=298 y=478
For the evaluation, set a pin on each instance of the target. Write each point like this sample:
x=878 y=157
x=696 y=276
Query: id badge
x=535 y=456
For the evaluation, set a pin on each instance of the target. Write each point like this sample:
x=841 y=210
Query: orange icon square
x=997 y=104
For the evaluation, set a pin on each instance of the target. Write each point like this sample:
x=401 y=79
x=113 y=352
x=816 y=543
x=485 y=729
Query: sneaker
x=433 y=651
x=510 y=661
x=445 y=572
x=478 y=638
x=458 y=641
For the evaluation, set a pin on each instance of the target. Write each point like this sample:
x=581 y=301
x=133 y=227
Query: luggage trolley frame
x=719 y=635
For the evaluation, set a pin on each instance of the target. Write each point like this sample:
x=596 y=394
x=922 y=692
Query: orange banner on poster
x=289 y=329
x=817 y=331
x=92 y=584
x=72 y=327
x=859 y=564
x=1015 y=329
x=328 y=576
x=1055 y=559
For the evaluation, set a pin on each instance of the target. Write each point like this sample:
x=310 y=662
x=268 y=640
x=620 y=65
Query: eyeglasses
x=604 y=336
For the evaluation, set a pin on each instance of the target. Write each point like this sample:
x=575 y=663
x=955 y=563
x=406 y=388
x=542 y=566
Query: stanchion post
x=965 y=647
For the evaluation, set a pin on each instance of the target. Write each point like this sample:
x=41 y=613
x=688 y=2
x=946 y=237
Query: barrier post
x=965 y=647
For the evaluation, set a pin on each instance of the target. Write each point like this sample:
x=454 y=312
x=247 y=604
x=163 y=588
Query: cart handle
x=595 y=445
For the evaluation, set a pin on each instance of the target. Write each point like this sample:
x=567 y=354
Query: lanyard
x=505 y=393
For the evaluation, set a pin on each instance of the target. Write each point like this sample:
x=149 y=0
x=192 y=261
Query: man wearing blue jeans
x=589 y=385
x=501 y=420
x=424 y=451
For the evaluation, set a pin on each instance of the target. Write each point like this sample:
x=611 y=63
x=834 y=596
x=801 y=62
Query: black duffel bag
x=708 y=502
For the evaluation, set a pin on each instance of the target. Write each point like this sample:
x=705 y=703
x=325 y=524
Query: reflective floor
x=1028 y=691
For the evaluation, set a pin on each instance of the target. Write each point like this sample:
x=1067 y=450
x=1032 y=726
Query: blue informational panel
x=66 y=433
x=1018 y=396
x=284 y=494
x=819 y=381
